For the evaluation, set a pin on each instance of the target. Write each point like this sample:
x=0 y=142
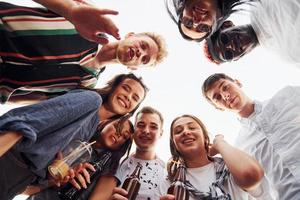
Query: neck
x=144 y=154
x=104 y=113
x=193 y=161
x=107 y=55
x=247 y=110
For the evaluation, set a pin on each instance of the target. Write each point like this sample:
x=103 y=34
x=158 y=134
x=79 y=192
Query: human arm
x=245 y=170
x=104 y=188
x=7 y=140
x=27 y=99
x=38 y=120
x=88 y=20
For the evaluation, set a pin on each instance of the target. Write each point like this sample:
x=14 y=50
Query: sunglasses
x=200 y=28
x=228 y=53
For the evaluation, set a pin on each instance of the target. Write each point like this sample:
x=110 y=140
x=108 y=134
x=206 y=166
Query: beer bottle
x=69 y=192
x=177 y=187
x=132 y=183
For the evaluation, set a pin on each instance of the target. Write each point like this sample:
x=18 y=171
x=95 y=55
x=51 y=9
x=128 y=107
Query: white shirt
x=277 y=25
x=272 y=135
x=202 y=177
x=152 y=174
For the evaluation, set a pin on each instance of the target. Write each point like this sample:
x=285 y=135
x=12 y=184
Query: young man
x=148 y=130
x=198 y=19
x=274 y=25
x=43 y=56
x=31 y=136
x=270 y=130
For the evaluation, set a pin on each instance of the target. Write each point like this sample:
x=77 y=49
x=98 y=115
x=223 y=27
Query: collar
x=257 y=110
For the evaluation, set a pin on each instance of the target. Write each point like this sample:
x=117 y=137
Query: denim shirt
x=49 y=126
x=272 y=135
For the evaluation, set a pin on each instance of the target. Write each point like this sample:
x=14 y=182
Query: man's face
x=198 y=19
x=234 y=42
x=137 y=50
x=126 y=97
x=225 y=94
x=147 y=130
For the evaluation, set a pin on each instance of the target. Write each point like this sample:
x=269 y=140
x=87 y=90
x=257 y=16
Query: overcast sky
x=175 y=85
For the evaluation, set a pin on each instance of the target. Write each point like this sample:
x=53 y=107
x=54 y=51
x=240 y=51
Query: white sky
x=175 y=85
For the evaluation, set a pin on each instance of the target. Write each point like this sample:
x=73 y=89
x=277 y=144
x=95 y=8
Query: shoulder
x=86 y=95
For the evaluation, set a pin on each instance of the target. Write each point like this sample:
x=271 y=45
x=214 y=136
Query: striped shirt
x=41 y=51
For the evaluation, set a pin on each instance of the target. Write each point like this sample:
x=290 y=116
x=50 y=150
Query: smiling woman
x=209 y=177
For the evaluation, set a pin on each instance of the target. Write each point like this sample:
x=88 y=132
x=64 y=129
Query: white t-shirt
x=202 y=177
x=152 y=174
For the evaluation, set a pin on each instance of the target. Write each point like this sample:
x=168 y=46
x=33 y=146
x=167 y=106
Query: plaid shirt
x=217 y=191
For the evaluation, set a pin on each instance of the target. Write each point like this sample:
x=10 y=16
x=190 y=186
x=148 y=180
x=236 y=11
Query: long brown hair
x=113 y=83
x=125 y=148
x=176 y=156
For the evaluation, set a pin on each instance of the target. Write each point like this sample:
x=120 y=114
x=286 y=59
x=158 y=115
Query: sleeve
x=37 y=120
x=263 y=191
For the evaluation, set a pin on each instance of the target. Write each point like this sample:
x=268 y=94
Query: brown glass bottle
x=177 y=187
x=132 y=183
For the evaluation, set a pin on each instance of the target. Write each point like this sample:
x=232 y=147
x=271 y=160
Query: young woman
x=208 y=177
x=31 y=136
x=113 y=140
x=198 y=19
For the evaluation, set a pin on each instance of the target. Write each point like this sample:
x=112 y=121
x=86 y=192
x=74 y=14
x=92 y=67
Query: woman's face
x=188 y=136
x=114 y=134
x=198 y=18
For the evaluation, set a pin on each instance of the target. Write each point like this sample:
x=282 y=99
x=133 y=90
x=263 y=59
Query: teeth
x=122 y=102
x=188 y=140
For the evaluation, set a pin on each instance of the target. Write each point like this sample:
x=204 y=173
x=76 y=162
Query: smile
x=122 y=102
x=188 y=141
x=131 y=53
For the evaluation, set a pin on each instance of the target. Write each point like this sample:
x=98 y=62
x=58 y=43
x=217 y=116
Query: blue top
x=49 y=126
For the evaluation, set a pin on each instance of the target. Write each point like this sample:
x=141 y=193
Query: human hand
x=167 y=197
x=119 y=194
x=81 y=175
x=90 y=21
x=214 y=148
x=57 y=181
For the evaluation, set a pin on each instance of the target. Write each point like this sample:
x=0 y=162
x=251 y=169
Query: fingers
x=71 y=174
x=109 y=27
x=75 y=184
x=86 y=175
x=109 y=12
x=89 y=166
x=120 y=191
x=102 y=41
x=82 y=181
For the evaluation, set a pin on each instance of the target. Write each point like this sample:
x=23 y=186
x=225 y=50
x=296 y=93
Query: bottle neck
x=180 y=174
x=137 y=171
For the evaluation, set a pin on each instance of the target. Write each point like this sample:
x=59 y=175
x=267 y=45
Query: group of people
x=52 y=58
x=274 y=25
